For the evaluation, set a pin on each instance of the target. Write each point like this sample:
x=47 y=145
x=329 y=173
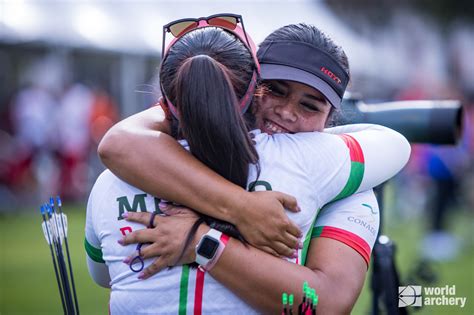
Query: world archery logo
x=410 y=295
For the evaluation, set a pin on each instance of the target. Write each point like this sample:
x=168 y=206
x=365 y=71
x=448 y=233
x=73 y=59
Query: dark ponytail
x=210 y=119
x=204 y=75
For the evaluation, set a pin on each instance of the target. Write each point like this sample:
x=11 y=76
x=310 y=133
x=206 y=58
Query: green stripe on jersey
x=317 y=231
x=94 y=253
x=353 y=183
x=183 y=290
x=306 y=242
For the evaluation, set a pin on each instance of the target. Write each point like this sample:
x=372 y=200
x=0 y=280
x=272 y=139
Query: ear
x=255 y=104
x=165 y=107
x=259 y=95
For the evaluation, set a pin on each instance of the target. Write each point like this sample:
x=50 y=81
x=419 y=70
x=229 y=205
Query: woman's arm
x=139 y=151
x=334 y=269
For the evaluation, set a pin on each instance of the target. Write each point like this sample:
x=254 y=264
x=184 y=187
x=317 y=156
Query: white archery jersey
x=313 y=167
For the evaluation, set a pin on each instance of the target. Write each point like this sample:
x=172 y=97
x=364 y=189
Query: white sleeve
x=354 y=221
x=99 y=272
x=367 y=156
x=385 y=153
x=95 y=264
x=376 y=154
x=338 y=130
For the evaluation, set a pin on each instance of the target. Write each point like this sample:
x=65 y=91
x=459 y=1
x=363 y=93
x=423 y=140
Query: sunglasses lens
x=228 y=22
x=182 y=27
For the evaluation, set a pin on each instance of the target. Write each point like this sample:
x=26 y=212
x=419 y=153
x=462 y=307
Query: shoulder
x=108 y=187
x=353 y=221
x=312 y=144
x=107 y=180
x=105 y=177
x=103 y=184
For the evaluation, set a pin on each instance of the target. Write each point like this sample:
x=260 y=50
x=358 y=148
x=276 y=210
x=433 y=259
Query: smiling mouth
x=274 y=127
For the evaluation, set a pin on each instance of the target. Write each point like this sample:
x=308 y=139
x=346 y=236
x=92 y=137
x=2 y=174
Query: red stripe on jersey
x=350 y=239
x=198 y=293
x=354 y=148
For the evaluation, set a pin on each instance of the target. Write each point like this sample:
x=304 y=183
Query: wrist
x=202 y=229
x=210 y=248
x=236 y=207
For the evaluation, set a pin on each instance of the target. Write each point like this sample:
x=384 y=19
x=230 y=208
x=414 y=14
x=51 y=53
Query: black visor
x=304 y=63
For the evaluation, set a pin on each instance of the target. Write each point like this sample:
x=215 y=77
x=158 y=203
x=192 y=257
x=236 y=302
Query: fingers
x=283 y=250
x=139 y=217
x=152 y=250
x=270 y=251
x=290 y=241
x=293 y=229
x=170 y=209
x=286 y=250
x=289 y=202
x=156 y=266
x=140 y=236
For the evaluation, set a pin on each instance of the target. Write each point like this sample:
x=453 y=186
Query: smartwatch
x=209 y=249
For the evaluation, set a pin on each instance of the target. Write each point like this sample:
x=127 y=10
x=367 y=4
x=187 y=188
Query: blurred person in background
x=83 y=117
x=56 y=126
x=74 y=139
x=437 y=173
x=33 y=109
x=445 y=167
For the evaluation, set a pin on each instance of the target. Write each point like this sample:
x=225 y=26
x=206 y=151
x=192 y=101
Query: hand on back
x=263 y=222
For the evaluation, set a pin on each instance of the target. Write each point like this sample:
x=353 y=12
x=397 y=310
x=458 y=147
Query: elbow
x=344 y=308
x=338 y=306
x=109 y=146
x=399 y=150
x=405 y=150
x=337 y=297
x=103 y=150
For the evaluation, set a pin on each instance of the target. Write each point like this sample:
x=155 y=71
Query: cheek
x=313 y=123
x=262 y=104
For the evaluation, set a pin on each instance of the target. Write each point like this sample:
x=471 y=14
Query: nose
x=286 y=111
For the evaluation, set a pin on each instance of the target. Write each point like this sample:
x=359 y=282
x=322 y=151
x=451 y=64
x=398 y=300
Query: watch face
x=208 y=247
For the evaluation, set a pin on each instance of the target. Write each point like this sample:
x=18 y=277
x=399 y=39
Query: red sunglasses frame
x=236 y=30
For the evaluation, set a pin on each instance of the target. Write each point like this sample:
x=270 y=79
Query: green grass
x=27 y=281
x=28 y=285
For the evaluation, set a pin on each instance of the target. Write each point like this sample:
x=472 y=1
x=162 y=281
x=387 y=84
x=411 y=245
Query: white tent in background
x=136 y=26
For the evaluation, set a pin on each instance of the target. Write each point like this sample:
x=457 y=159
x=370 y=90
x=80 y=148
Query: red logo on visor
x=331 y=75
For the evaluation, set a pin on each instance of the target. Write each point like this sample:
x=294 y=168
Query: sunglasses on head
x=227 y=21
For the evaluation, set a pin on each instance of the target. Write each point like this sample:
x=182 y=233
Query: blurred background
x=70 y=69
